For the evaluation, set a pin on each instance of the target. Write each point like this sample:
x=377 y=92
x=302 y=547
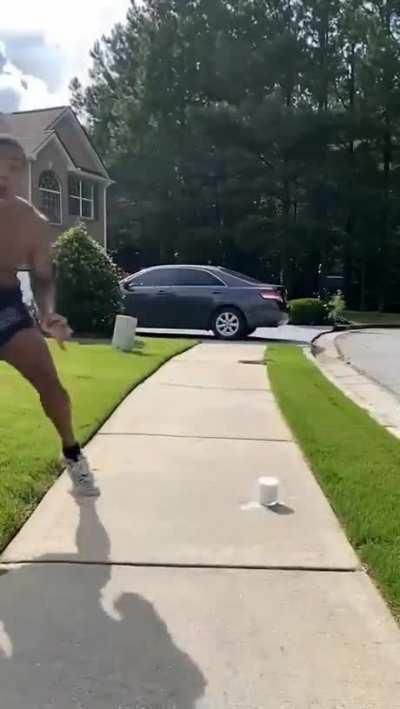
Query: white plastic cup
x=268 y=491
x=124 y=333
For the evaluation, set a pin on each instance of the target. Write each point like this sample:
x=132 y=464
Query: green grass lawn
x=97 y=378
x=355 y=460
x=372 y=317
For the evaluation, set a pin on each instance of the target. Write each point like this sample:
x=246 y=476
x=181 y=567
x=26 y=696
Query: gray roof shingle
x=32 y=127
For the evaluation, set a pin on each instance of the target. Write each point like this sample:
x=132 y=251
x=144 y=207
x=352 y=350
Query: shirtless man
x=25 y=244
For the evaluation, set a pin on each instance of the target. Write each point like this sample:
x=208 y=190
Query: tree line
x=258 y=134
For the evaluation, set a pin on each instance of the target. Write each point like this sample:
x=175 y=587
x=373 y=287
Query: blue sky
x=43 y=44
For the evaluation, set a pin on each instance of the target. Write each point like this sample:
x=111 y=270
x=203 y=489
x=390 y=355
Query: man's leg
x=28 y=353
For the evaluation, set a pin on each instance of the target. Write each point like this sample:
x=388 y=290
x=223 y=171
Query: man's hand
x=57 y=327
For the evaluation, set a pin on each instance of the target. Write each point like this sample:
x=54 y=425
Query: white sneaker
x=82 y=478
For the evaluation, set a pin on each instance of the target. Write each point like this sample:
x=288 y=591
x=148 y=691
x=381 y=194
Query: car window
x=197 y=277
x=156 y=277
x=240 y=276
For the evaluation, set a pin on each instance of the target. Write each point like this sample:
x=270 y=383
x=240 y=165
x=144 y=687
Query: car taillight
x=271 y=295
x=276 y=297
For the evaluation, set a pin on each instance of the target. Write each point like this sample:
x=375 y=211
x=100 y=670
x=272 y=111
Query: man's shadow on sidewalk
x=61 y=649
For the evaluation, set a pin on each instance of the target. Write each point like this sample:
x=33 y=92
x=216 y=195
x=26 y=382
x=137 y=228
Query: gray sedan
x=203 y=298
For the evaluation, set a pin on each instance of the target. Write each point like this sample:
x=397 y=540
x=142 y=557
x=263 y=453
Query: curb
x=381 y=404
x=366 y=326
x=313 y=343
x=359 y=370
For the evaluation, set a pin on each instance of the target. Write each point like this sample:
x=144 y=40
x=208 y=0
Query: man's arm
x=42 y=276
x=43 y=285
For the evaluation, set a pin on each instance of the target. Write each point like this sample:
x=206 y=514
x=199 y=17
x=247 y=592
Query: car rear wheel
x=229 y=324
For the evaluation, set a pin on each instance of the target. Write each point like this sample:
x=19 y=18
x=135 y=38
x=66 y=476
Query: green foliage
x=307 y=311
x=336 y=308
x=260 y=135
x=88 y=293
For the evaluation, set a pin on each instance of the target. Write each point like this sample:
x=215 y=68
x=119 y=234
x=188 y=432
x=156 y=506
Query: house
x=65 y=178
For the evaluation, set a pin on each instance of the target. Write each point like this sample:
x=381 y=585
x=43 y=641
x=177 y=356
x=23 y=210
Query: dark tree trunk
x=383 y=247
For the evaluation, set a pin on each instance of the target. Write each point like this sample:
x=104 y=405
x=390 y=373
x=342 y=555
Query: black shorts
x=14 y=315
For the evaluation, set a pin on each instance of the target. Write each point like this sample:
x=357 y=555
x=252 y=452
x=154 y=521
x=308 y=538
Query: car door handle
x=161 y=292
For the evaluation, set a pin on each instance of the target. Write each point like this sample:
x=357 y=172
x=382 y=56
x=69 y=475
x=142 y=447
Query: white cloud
x=22 y=91
x=68 y=30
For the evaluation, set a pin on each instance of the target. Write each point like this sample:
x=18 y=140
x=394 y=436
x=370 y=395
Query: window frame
x=80 y=199
x=47 y=190
x=134 y=280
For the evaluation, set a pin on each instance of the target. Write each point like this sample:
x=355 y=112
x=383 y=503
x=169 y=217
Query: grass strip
x=374 y=318
x=356 y=461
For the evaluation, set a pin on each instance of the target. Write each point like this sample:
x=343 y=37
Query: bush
x=88 y=292
x=336 y=308
x=307 y=311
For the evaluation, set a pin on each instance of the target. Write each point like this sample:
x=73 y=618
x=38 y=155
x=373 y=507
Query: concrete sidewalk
x=173 y=591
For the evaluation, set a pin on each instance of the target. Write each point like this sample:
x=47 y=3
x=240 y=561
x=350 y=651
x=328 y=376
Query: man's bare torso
x=19 y=224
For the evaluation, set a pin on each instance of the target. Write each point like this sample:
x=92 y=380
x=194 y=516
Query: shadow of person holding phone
x=65 y=643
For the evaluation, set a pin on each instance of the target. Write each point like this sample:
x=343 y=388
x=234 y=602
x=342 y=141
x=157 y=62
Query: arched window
x=50 y=196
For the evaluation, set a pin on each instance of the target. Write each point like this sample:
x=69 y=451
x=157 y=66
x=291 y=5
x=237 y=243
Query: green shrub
x=88 y=293
x=307 y=311
x=336 y=307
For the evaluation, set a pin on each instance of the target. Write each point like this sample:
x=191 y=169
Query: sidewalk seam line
x=183 y=566
x=172 y=385
x=195 y=437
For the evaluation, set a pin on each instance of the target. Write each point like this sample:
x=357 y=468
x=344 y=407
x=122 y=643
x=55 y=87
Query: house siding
x=53 y=158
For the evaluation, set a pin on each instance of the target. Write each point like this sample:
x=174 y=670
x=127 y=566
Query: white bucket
x=268 y=491
x=124 y=333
